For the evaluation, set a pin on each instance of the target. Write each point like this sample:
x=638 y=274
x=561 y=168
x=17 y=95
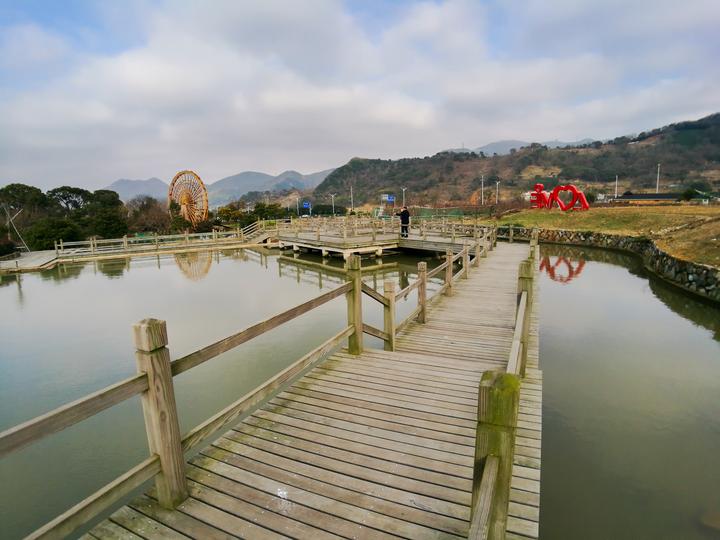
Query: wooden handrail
x=371 y=330
x=91 y=506
x=372 y=293
x=252 y=398
x=56 y=420
x=480 y=524
x=407 y=290
x=211 y=351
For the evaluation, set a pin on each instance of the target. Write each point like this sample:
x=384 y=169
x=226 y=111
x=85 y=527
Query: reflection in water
x=195 y=266
x=699 y=310
x=573 y=269
x=631 y=419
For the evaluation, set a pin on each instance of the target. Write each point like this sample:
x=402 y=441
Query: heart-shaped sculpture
x=555 y=196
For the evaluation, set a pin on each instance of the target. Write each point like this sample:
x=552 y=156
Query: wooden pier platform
x=376 y=445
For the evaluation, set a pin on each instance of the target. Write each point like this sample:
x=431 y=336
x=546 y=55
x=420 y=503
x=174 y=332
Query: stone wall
x=700 y=279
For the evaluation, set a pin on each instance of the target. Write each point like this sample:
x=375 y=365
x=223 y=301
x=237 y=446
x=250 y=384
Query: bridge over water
x=437 y=435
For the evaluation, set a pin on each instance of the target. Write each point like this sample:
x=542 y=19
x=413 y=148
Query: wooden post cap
x=389 y=287
x=422 y=266
x=150 y=335
x=498 y=398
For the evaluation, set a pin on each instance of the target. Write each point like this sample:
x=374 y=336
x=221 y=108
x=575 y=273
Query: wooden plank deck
x=379 y=445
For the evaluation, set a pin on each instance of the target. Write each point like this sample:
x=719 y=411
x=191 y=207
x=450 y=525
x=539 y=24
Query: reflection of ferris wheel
x=187 y=190
x=195 y=266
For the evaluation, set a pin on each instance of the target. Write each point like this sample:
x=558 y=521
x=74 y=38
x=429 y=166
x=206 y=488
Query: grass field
x=697 y=238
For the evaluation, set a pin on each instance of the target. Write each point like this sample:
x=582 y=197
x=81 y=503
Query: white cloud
x=277 y=85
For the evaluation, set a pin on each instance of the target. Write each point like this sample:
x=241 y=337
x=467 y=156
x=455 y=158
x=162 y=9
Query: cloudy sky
x=95 y=91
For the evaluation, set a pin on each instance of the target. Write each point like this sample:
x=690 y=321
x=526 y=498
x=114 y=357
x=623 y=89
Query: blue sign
x=306 y=204
x=391 y=198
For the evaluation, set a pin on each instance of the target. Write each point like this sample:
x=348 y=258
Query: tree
x=44 y=232
x=70 y=198
x=147 y=214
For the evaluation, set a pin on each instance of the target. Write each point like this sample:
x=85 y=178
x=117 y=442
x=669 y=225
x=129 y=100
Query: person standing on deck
x=404 y=221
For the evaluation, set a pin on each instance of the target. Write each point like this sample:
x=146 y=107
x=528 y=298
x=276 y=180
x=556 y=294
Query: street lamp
x=297 y=205
x=497 y=191
x=482 y=189
x=404 y=195
x=657 y=185
x=352 y=202
x=332 y=196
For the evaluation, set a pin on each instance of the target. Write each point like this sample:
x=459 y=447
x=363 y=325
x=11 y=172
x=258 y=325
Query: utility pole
x=352 y=202
x=497 y=191
x=297 y=205
x=482 y=189
x=404 y=195
x=332 y=196
x=616 y=177
x=657 y=184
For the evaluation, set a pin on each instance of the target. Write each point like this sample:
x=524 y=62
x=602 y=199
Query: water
x=67 y=332
x=631 y=425
x=632 y=374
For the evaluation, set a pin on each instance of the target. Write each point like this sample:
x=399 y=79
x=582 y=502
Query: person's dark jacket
x=404 y=217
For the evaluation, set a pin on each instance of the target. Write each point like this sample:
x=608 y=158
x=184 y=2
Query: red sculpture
x=542 y=199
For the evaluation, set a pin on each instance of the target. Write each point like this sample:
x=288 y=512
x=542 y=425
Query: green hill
x=688 y=151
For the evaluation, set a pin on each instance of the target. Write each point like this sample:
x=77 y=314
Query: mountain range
x=502 y=148
x=226 y=189
x=688 y=151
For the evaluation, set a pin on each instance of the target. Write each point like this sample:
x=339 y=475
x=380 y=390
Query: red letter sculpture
x=542 y=199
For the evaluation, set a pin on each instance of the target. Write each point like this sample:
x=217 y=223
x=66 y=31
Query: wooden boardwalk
x=379 y=445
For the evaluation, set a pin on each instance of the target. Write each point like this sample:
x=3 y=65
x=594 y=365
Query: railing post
x=62 y=247
x=526 y=273
x=478 y=253
x=466 y=261
x=498 y=401
x=354 y=305
x=422 y=292
x=449 y=272
x=389 y=314
x=510 y=234
x=160 y=412
x=56 y=248
x=125 y=242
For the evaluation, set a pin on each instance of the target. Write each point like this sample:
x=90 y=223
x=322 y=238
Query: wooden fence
x=154 y=382
x=498 y=403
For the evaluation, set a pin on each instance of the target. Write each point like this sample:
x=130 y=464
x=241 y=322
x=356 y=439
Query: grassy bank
x=687 y=232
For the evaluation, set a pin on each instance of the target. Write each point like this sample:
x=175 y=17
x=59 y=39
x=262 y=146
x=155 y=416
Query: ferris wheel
x=188 y=191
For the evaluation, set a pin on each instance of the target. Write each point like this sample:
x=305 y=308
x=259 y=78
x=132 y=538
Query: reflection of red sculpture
x=542 y=199
x=572 y=271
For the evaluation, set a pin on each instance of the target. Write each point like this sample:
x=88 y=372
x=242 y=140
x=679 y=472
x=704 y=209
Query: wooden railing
x=157 y=242
x=469 y=257
x=498 y=403
x=154 y=382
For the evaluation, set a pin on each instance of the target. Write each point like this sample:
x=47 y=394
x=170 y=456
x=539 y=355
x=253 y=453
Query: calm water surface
x=631 y=425
x=631 y=397
x=67 y=332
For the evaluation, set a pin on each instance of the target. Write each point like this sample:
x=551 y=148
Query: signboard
x=391 y=198
x=386 y=197
x=306 y=204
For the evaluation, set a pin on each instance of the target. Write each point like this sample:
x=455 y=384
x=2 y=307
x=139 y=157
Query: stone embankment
x=700 y=279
